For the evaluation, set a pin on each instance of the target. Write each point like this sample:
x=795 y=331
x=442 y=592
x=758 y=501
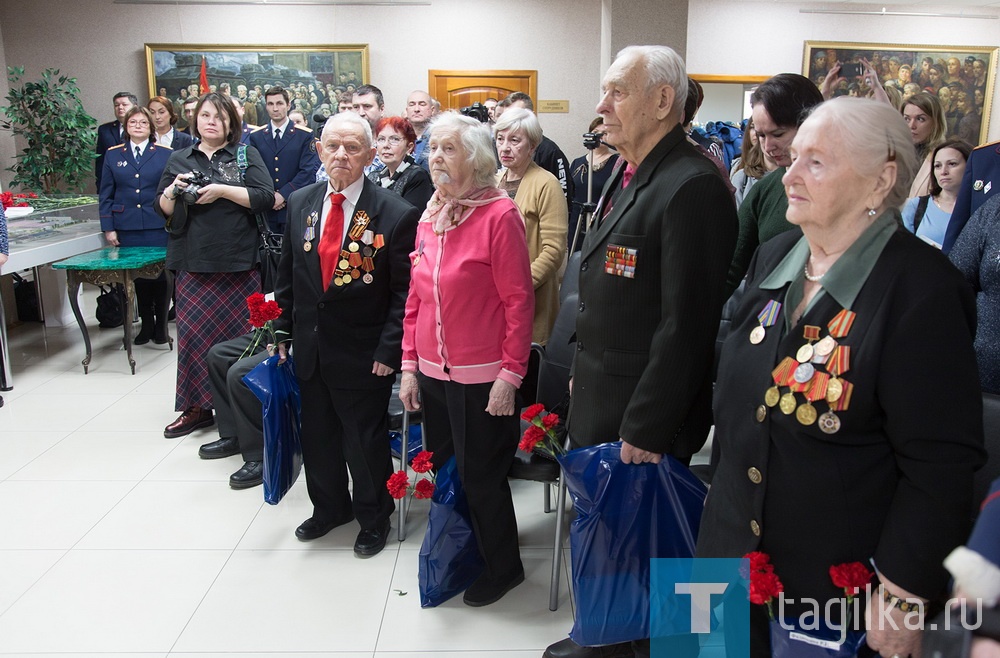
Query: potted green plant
x=59 y=136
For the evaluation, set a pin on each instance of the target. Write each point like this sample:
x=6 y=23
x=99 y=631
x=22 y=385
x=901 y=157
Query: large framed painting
x=313 y=75
x=962 y=77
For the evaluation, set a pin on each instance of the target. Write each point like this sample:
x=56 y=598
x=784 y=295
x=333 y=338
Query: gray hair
x=350 y=117
x=663 y=66
x=872 y=132
x=476 y=140
x=520 y=119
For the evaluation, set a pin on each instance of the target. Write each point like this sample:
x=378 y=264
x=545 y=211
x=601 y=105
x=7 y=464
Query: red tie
x=332 y=238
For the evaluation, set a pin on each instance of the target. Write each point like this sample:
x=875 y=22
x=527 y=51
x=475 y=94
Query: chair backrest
x=553 y=372
x=991 y=470
x=571 y=279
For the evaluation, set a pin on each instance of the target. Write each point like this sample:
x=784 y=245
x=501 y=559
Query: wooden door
x=457 y=89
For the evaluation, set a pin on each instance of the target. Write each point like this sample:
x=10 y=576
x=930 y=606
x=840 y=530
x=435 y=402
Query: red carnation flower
x=764 y=586
x=531 y=437
x=397 y=484
x=270 y=311
x=550 y=421
x=852 y=576
x=424 y=489
x=756 y=561
x=532 y=411
x=422 y=462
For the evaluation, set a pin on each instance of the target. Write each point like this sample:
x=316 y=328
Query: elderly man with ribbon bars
x=343 y=276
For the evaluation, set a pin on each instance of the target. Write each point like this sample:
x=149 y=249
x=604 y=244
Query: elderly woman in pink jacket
x=467 y=335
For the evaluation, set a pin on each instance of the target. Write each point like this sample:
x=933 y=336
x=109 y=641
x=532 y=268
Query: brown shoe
x=189 y=421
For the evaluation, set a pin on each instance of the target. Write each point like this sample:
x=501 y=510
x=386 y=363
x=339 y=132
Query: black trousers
x=346 y=429
x=238 y=412
x=457 y=424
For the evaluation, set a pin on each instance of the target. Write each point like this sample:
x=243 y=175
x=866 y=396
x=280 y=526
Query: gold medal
x=337 y=281
x=771 y=396
x=787 y=403
x=834 y=389
x=307 y=246
x=757 y=335
x=829 y=423
x=353 y=247
x=343 y=264
x=355 y=274
x=806 y=414
x=347 y=278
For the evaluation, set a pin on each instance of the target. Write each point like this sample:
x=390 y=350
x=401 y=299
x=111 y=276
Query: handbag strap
x=921 y=209
x=241 y=162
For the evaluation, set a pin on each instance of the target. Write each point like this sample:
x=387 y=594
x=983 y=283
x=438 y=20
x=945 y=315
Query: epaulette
x=257 y=128
x=982 y=146
x=305 y=130
x=162 y=146
x=116 y=146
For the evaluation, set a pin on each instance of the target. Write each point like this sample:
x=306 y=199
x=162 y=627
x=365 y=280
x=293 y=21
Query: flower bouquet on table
x=274 y=384
x=627 y=515
x=812 y=635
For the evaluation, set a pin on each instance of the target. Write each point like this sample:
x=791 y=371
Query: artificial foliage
x=58 y=135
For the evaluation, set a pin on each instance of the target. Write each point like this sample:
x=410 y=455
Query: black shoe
x=313 y=528
x=144 y=335
x=569 y=649
x=249 y=476
x=226 y=447
x=485 y=591
x=371 y=542
x=188 y=422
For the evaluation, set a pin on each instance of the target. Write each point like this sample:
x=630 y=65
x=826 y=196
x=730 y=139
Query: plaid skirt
x=211 y=308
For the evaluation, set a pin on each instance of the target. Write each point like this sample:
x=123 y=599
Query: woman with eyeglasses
x=394 y=141
x=128 y=216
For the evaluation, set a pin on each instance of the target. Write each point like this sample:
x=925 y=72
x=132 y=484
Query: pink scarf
x=447 y=213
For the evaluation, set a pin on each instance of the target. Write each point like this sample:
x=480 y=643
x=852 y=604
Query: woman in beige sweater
x=540 y=199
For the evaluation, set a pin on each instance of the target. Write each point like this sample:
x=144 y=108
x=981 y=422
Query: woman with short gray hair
x=540 y=198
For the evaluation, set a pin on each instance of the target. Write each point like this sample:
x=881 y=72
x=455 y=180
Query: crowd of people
x=430 y=247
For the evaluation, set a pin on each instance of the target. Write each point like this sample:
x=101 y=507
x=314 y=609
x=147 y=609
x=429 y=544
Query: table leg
x=129 y=300
x=6 y=380
x=73 y=290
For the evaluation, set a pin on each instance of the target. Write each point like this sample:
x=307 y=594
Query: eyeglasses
x=135 y=124
x=391 y=139
x=351 y=149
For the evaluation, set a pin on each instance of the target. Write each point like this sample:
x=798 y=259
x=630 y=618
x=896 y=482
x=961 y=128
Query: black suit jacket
x=895 y=482
x=342 y=330
x=643 y=367
x=108 y=135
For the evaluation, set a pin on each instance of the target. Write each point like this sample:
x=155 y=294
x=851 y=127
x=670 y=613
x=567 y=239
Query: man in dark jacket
x=111 y=133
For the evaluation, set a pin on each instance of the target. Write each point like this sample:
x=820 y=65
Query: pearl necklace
x=810 y=277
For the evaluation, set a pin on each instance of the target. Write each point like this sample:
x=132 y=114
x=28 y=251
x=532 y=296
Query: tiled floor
x=117 y=542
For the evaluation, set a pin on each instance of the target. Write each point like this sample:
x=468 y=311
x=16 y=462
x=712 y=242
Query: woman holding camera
x=208 y=195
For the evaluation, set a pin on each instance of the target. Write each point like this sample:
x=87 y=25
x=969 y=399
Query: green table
x=108 y=266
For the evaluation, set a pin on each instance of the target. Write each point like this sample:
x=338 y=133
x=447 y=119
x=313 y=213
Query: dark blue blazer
x=108 y=134
x=128 y=194
x=292 y=162
x=980 y=181
x=180 y=140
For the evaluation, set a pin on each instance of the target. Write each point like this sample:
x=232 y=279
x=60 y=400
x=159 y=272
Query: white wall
x=101 y=43
x=764 y=38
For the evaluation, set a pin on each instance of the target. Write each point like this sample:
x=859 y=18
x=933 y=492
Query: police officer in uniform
x=288 y=151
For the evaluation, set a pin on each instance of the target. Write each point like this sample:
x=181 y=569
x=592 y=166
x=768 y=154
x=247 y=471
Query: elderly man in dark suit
x=344 y=275
x=652 y=275
x=112 y=133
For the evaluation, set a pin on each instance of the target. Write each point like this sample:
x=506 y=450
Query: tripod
x=590 y=141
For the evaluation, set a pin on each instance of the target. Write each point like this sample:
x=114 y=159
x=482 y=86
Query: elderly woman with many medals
x=847 y=407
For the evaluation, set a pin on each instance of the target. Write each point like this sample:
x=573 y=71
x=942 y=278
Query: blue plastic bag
x=413 y=443
x=627 y=514
x=449 y=558
x=278 y=391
